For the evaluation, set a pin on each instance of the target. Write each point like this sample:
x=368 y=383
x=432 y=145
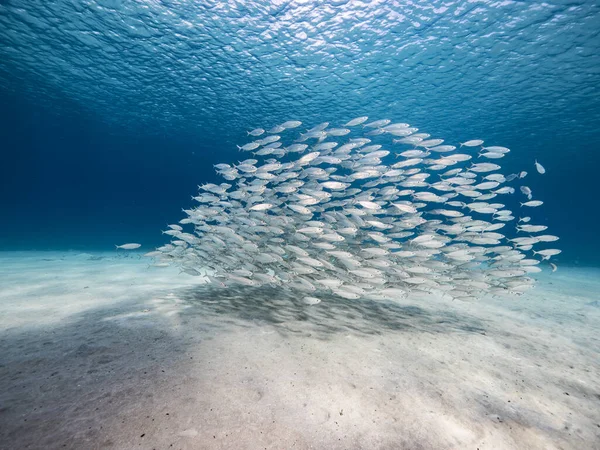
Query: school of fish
x=370 y=209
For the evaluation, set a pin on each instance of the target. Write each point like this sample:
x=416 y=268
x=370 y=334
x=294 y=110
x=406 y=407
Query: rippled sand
x=99 y=351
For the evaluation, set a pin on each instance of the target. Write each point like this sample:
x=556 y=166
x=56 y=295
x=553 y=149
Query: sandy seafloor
x=99 y=351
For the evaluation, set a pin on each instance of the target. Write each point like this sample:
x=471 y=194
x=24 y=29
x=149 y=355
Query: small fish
x=442 y=148
x=526 y=191
x=484 y=167
x=430 y=143
x=338 y=131
x=335 y=185
x=377 y=123
x=375 y=132
x=369 y=205
x=291 y=124
x=496 y=149
x=491 y=155
x=261 y=207
x=356 y=121
x=249 y=146
x=405 y=208
x=311 y=300
x=532 y=228
x=276 y=129
x=539 y=167
x=318 y=128
x=311 y=230
x=131 y=246
x=300 y=209
x=256 y=132
x=532 y=203
x=548 y=253
x=269 y=139
x=472 y=143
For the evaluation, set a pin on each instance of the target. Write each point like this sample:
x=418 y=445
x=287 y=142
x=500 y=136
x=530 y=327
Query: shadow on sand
x=287 y=312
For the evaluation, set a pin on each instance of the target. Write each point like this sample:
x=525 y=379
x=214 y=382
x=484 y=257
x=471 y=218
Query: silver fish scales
x=357 y=221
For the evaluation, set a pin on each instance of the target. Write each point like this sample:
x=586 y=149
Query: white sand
x=98 y=351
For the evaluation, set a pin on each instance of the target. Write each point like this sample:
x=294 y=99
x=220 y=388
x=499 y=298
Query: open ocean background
x=112 y=112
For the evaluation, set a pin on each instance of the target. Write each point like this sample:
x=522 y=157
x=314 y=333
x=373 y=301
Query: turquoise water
x=111 y=112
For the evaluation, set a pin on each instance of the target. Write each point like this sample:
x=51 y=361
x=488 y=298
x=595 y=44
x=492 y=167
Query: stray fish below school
x=131 y=246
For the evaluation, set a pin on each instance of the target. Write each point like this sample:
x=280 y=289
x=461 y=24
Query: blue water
x=111 y=112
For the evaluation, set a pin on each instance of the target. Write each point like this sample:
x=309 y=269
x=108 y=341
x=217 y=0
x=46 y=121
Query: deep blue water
x=111 y=112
